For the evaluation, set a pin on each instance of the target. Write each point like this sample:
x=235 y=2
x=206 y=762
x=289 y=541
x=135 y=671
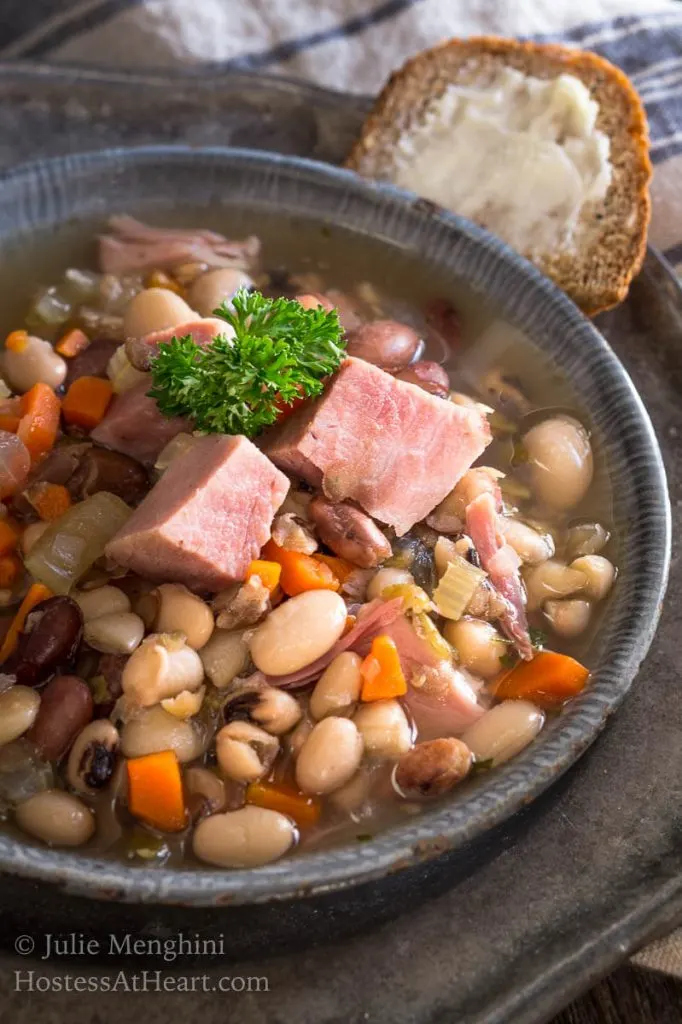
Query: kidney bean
x=349 y=532
x=49 y=643
x=65 y=709
x=444 y=321
x=427 y=375
x=92 y=362
x=99 y=469
x=386 y=343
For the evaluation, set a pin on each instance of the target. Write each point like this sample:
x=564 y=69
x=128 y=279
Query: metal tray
x=547 y=904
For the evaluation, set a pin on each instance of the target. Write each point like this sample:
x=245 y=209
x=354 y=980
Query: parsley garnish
x=537 y=637
x=280 y=352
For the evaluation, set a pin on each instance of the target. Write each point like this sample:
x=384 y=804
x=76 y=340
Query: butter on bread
x=575 y=199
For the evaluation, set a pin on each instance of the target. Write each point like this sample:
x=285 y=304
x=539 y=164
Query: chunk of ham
x=132 y=247
x=502 y=564
x=135 y=426
x=204 y=330
x=206 y=519
x=381 y=442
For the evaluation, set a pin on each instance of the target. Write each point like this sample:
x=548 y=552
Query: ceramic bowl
x=45 y=195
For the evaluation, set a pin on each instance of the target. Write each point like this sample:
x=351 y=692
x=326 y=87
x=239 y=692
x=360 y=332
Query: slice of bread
x=610 y=238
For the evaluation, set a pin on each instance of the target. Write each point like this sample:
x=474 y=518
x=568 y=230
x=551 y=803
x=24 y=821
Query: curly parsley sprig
x=237 y=385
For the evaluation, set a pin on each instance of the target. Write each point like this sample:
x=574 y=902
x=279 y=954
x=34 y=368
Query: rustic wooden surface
x=631 y=995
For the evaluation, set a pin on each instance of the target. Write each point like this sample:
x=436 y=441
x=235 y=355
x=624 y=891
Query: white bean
x=18 y=711
x=531 y=547
x=337 y=691
x=36 y=363
x=245 y=838
x=388 y=577
x=600 y=575
x=479 y=645
x=57 y=818
x=163 y=666
x=504 y=731
x=102 y=601
x=384 y=728
x=298 y=632
x=210 y=290
x=551 y=579
x=153 y=730
x=154 y=309
x=295 y=740
x=224 y=657
x=568 y=618
x=560 y=461
x=118 y=633
x=182 y=611
x=585 y=539
x=329 y=757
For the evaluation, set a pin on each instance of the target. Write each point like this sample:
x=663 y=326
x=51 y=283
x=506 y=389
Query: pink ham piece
x=384 y=443
x=133 y=246
x=204 y=330
x=501 y=563
x=207 y=517
x=135 y=426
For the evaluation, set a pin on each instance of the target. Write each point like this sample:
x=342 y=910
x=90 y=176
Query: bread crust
x=600 y=279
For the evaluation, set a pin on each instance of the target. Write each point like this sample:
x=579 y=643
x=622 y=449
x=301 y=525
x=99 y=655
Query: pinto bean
x=386 y=343
x=49 y=643
x=427 y=375
x=350 y=533
x=65 y=709
x=433 y=767
x=102 y=470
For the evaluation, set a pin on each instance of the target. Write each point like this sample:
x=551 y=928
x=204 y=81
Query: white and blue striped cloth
x=353 y=45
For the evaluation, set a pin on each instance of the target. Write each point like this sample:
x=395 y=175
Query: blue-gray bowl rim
x=617 y=414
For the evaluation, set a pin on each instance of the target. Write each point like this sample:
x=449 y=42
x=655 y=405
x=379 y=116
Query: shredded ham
x=373 y=618
x=501 y=563
x=133 y=247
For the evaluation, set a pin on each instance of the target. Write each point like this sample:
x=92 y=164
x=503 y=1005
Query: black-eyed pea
x=245 y=752
x=180 y=610
x=93 y=757
x=337 y=691
x=18 y=711
x=56 y=818
x=384 y=728
x=503 y=731
x=246 y=838
x=600 y=574
x=330 y=756
x=272 y=709
x=205 y=792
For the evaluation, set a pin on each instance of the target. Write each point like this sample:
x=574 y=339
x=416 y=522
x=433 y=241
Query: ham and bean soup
x=282 y=560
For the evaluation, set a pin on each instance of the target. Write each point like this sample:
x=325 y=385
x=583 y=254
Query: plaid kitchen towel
x=353 y=45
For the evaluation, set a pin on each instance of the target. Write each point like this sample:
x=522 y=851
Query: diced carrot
x=10 y=414
x=86 y=402
x=16 y=341
x=548 y=680
x=155 y=791
x=305 y=810
x=9 y=536
x=73 y=342
x=159 y=279
x=382 y=674
x=39 y=420
x=300 y=572
x=267 y=572
x=10 y=567
x=339 y=566
x=35 y=595
x=50 y=501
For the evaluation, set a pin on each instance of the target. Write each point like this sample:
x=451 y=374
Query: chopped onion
x=457 y=587
x=15 y=464
x=82 y=284
x=414 y=598
x=50 y=307
x=426 y=630
x=73 y=542
x=122 y=373
x=23 y=773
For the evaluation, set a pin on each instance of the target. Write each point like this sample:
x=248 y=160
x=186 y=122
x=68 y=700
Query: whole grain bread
x=609 y=250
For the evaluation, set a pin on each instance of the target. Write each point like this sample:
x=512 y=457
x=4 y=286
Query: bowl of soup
x=332 y=532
